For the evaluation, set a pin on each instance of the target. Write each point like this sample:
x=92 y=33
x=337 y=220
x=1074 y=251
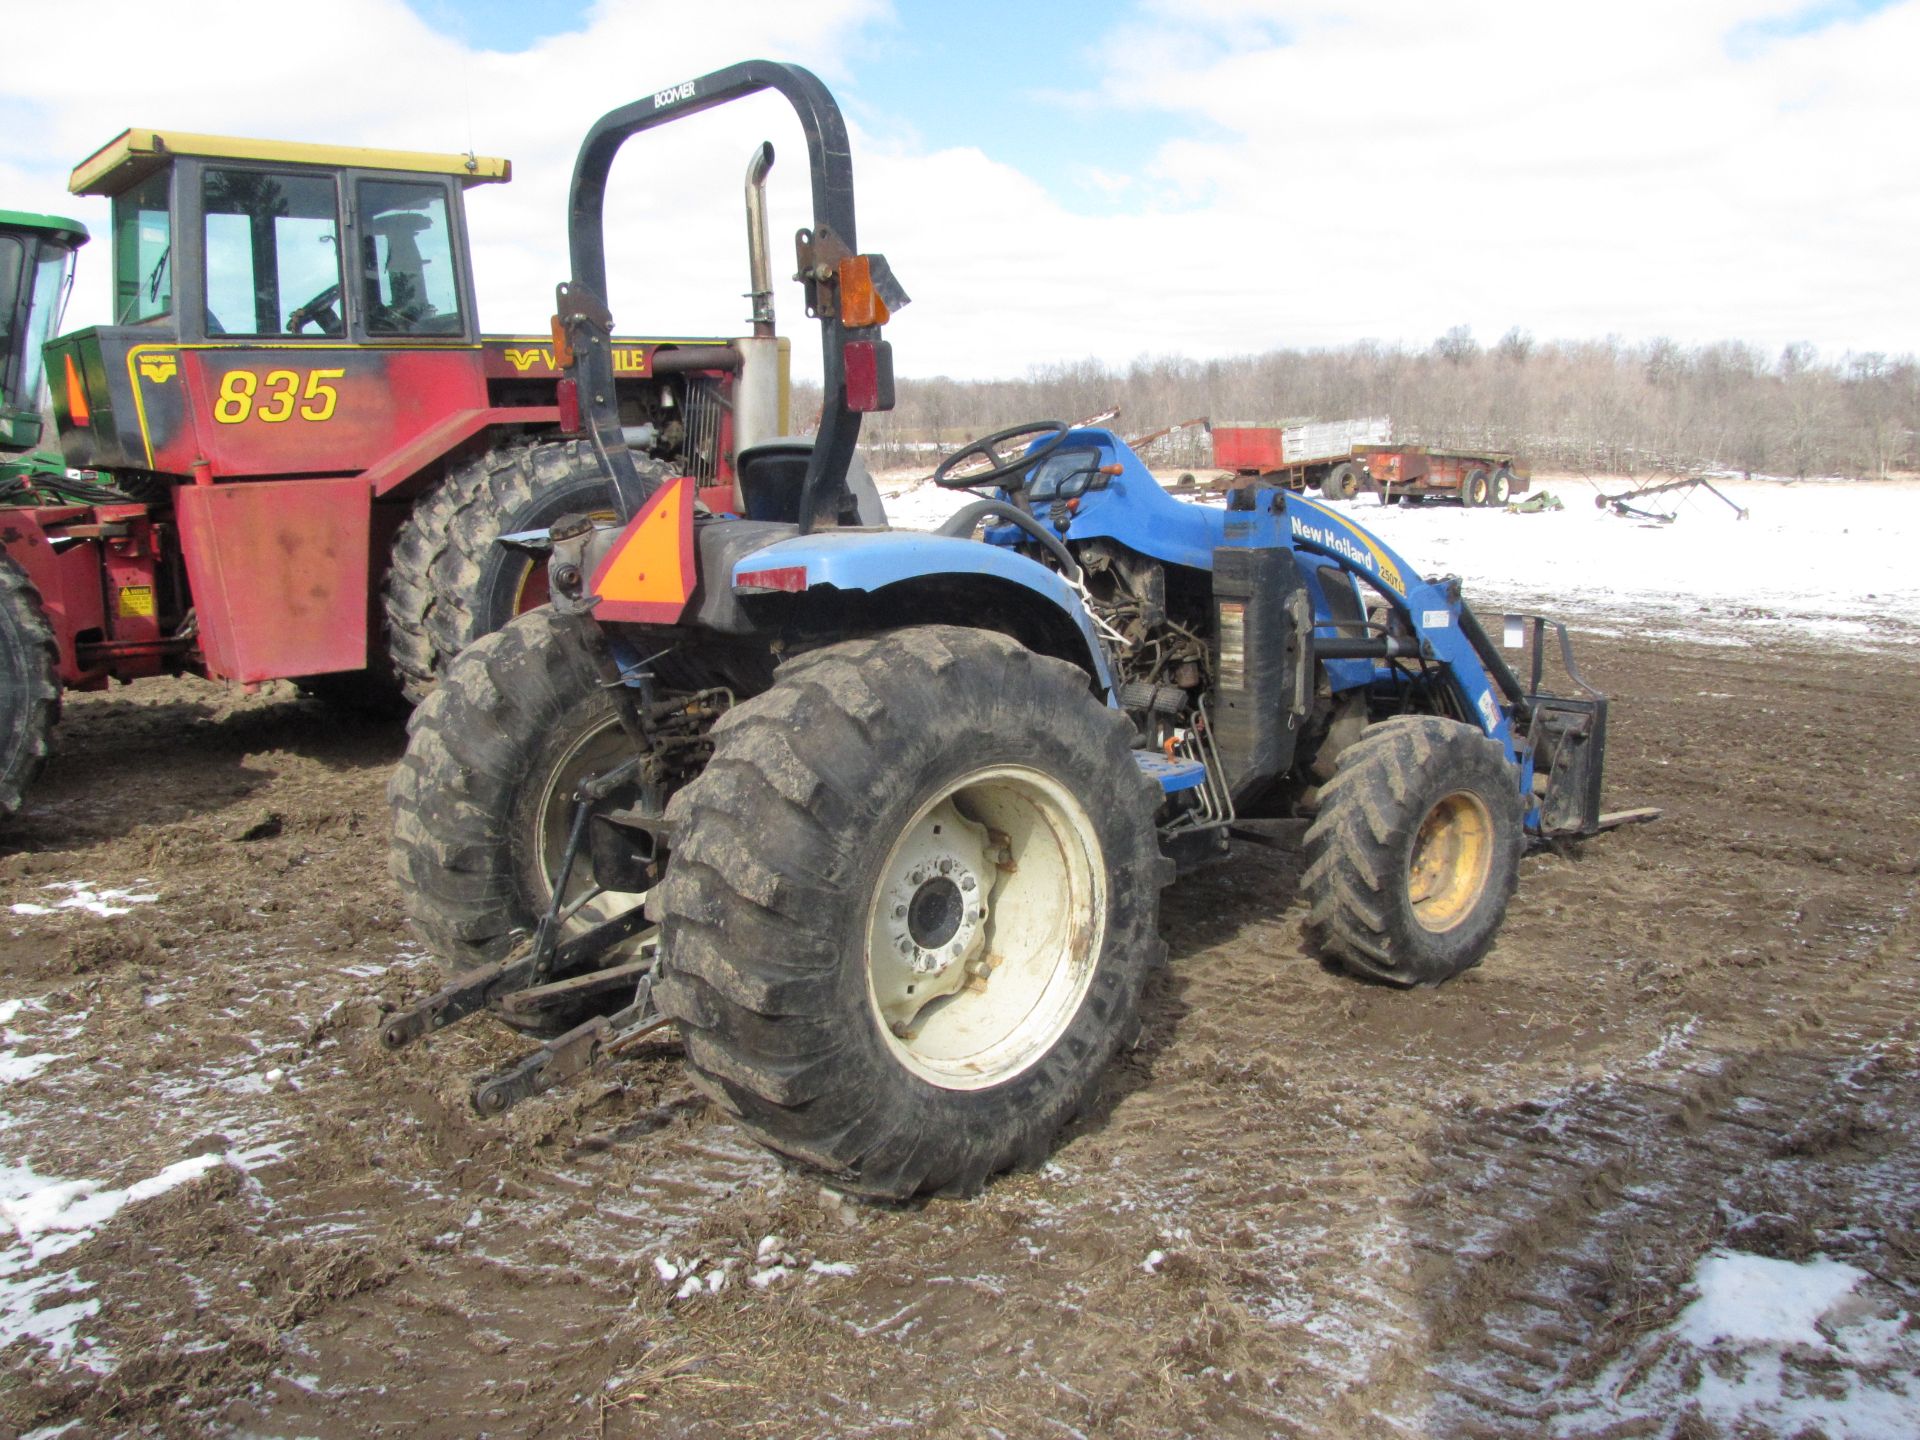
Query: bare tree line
x=1599 y=406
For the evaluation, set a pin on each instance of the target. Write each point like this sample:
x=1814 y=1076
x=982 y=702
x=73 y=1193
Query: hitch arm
x=479 y=989
x=577 y=1050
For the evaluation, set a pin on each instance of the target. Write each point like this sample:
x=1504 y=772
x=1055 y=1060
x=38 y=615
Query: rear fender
x=902 y=561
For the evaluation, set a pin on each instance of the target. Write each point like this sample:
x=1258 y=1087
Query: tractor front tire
x=1415 y=852
x=449 y=583
x=482 y=800
x=910 y=908
x=29 y=686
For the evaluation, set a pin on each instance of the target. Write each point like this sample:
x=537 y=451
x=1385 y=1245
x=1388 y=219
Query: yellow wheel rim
x=1452 y=856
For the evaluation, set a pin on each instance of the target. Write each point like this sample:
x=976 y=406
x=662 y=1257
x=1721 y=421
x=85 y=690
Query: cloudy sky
x=1053 y=181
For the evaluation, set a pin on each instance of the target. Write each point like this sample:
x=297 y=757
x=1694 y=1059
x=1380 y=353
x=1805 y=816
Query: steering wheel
x=988 y=449
x=319 y=311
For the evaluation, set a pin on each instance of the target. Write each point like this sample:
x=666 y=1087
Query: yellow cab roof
x=133 y=155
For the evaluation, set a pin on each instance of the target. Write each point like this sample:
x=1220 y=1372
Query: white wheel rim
x=985 y=928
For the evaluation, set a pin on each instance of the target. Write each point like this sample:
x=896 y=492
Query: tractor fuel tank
x=1262 y=663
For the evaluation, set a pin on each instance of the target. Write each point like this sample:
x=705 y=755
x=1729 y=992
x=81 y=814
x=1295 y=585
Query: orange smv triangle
x=78 y=410
x=649 y=574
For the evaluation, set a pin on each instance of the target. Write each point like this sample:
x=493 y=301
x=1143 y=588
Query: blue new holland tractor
x=879 y=819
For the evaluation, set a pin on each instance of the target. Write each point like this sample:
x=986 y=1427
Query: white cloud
x=373 y=74
x=1331 y=172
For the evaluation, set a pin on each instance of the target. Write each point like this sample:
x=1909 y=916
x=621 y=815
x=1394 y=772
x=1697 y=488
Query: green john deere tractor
x=36 y=271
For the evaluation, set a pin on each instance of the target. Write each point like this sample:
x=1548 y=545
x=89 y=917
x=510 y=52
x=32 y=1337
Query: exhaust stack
x=759 y=254
x=759 y=401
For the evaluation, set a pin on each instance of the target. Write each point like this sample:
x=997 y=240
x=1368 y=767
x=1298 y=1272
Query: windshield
x=1063 y=474
x=50 y=277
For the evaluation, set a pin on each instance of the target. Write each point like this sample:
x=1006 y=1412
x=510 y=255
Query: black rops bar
x=583 y=304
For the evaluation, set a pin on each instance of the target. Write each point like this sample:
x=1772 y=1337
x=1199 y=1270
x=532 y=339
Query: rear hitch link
x=521 y=987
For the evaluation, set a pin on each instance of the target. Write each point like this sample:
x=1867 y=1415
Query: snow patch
x=46 y=1218
x=50 y=1216
x=15 y=1067
x=1753 y=1300
x=1769 y=1347
x=81 y=895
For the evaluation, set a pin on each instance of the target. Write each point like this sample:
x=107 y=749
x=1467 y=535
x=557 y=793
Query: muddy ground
x=1303 y=1206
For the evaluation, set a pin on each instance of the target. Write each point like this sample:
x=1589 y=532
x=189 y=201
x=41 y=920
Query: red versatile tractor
x=308 y=448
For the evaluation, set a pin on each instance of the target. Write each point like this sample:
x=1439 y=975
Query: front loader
x=878 y=818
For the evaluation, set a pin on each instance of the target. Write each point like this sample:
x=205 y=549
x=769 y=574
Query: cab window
x=142 y=252
x=273 y=253
x=407 y=278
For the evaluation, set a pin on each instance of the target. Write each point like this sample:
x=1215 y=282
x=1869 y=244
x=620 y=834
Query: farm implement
x=1343 y=458
x=879 y=819
x=1632 y=504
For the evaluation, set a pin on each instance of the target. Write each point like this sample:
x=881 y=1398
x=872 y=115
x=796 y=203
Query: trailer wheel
x=1473 y=487
x=481 y=800
x=449 y=583
x=910 y=908
x=1500 y=486
x=1342 y=482
x=29 y=686
x=1415 y=852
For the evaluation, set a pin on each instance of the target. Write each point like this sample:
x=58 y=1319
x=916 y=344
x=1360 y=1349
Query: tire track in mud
x=1535 y=1223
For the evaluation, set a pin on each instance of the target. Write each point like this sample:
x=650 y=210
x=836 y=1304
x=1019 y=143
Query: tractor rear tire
x=1473 y=488
x=482 y=799
x=1415 y=852
x=827 y=865
x=449 y=583
x=1341 y=483
x=29 y=686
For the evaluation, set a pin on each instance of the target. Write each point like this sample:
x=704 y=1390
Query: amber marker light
x=860 y=302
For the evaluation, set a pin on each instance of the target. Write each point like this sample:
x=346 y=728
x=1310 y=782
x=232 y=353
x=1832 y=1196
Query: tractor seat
x=772 y=474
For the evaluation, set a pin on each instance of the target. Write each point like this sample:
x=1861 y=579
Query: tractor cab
x=244 y=267
x=216 y=238
x=36 y=272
